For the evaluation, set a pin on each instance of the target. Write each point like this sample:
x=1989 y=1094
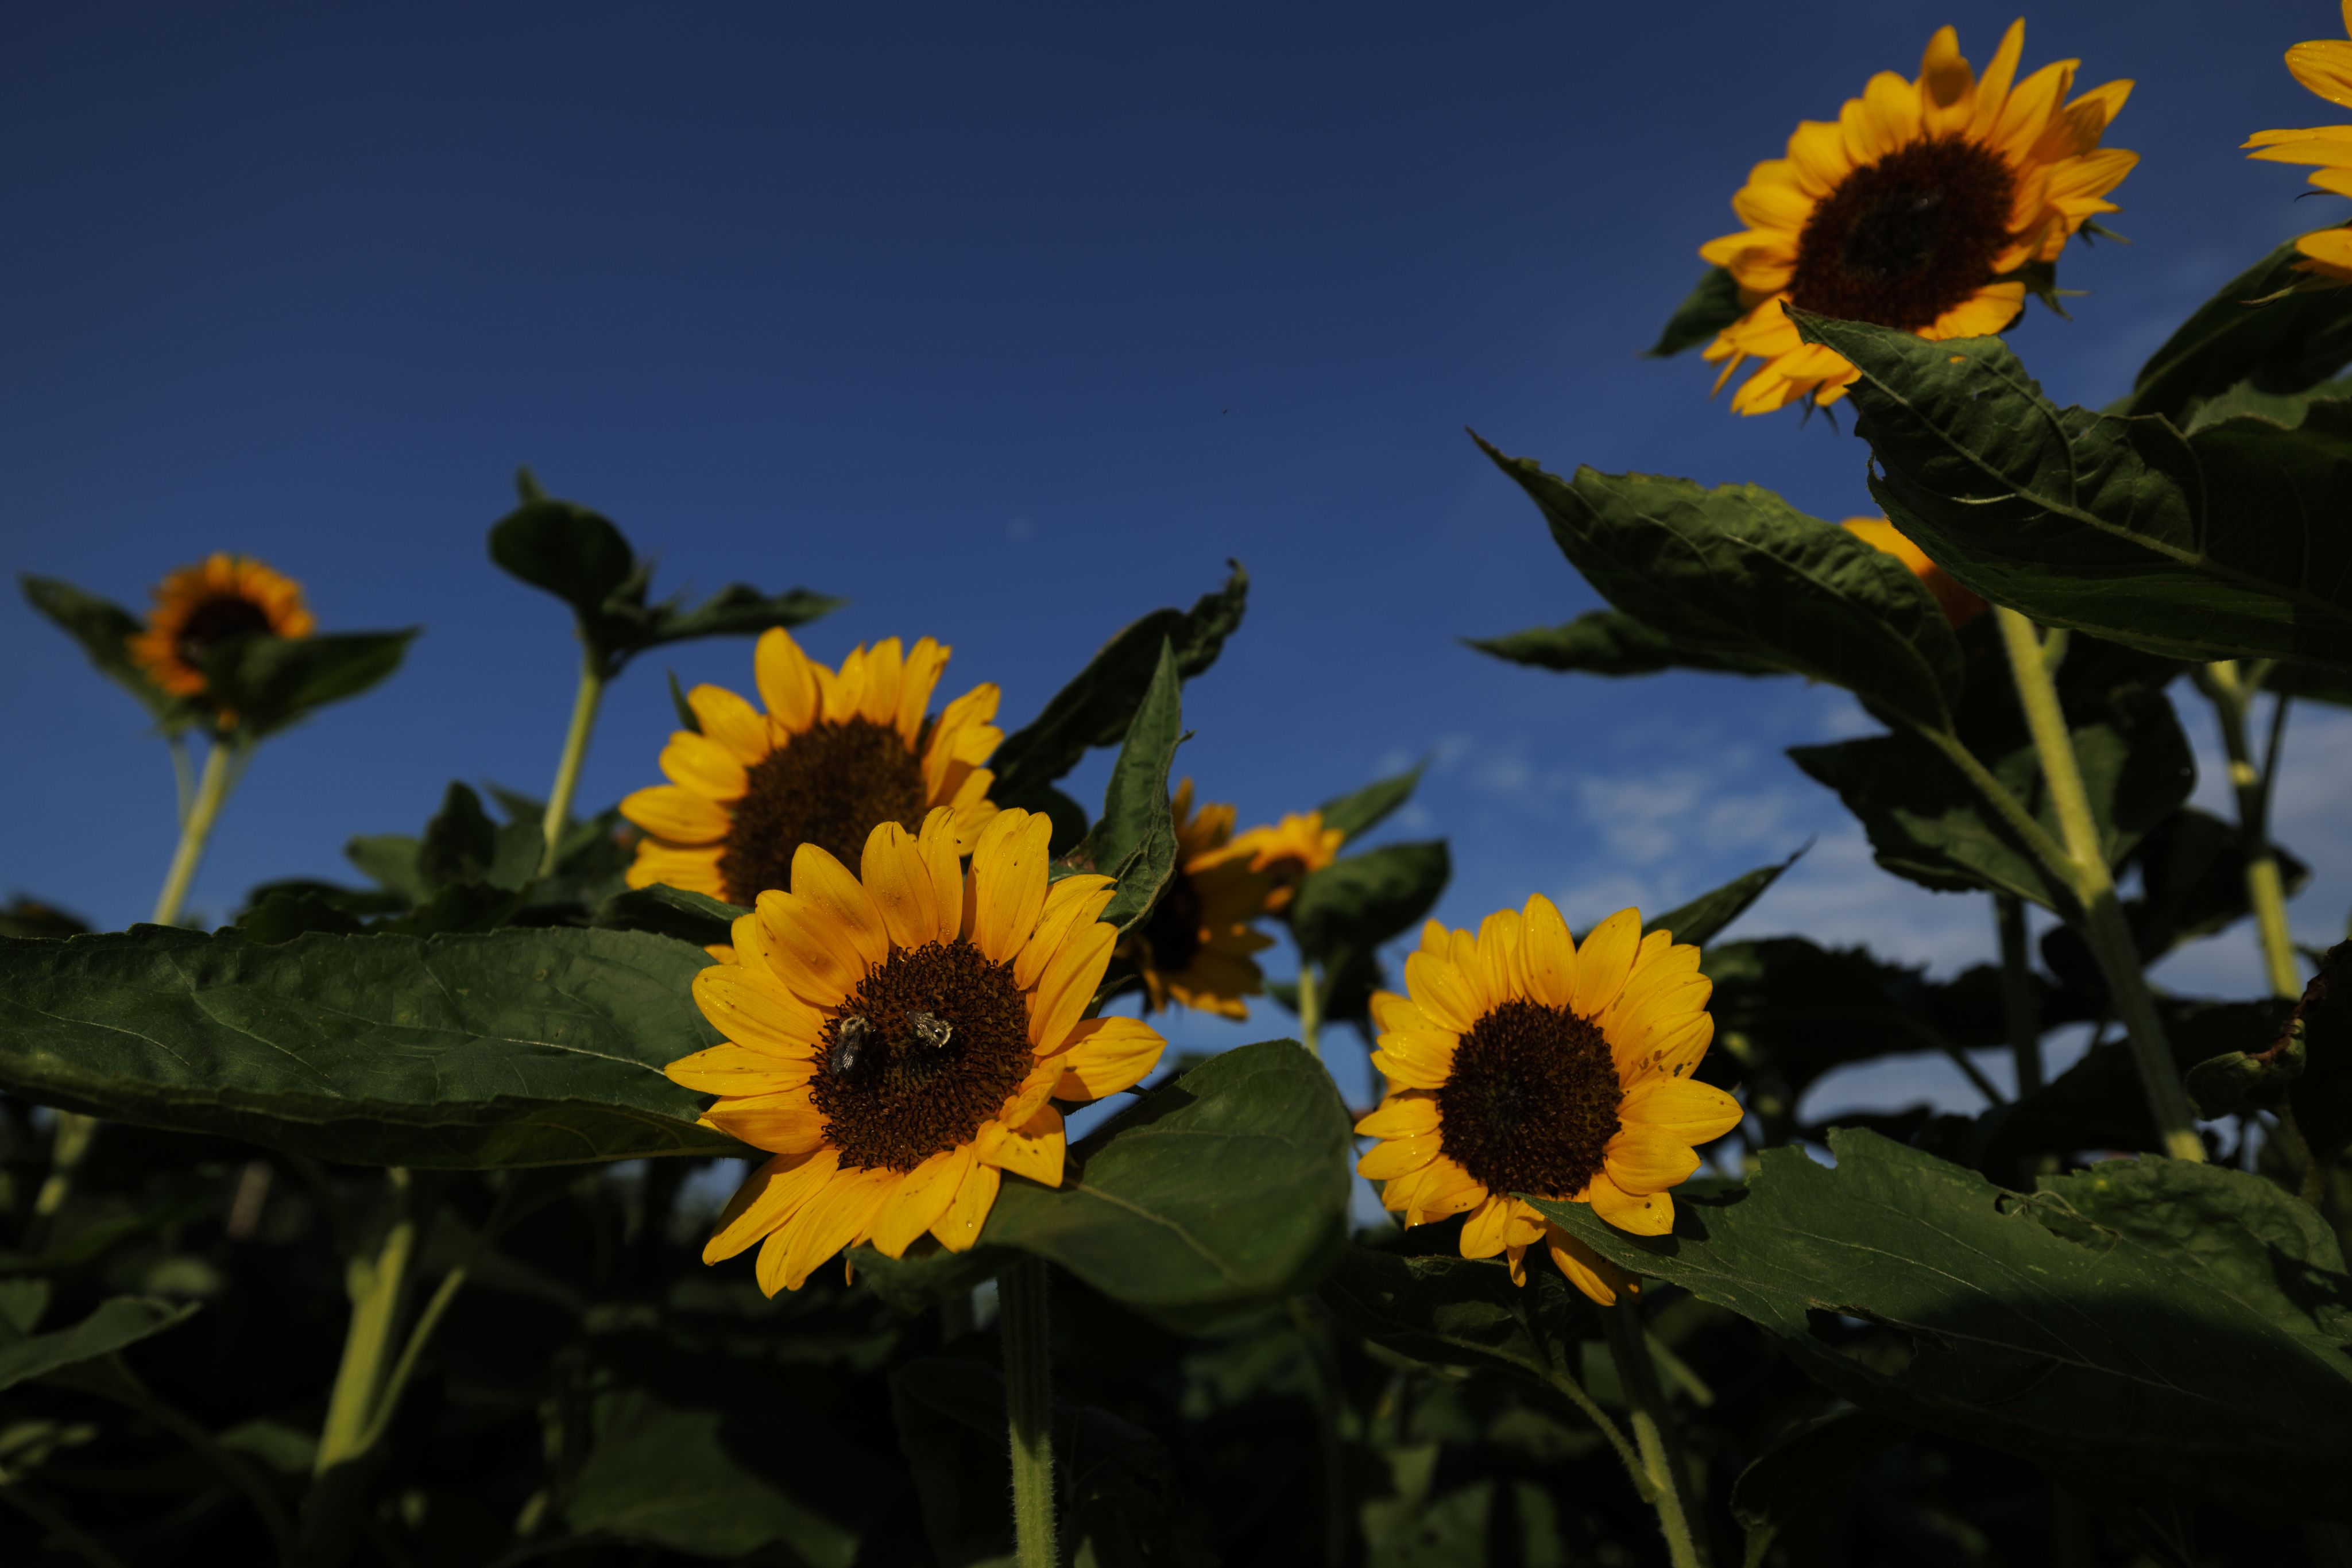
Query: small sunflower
x=1195 y=946
x=895 y=1037
x=1521 y=1062
x=2324 y=66
x=1959 y=604
x=1288 y=853
x=836 y=755
x=199 y=608
x=1922 y=207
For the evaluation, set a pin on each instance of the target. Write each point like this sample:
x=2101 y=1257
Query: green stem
x=1652 y=1427
x=567 y=770
x=2232 y=693
x=212 y=791
x=377 y=1285
x=388 y=1401
x=1029 y=1409
x=2018 y=1002
x=1310 y=1010
x=2084 y=871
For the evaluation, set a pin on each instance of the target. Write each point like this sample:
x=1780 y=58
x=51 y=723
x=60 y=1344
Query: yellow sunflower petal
x=1394 y=1156
x=926 y=661
x=1068 y=985
x=830 y=1221
x=1488 y=1230
x=1034 y=1148
x=1392 y=1011
x=784 y=1123
x=2325 y=66
x=768 y=1198
x=1447 y=1189
x=731 y=722
x=1443 y=992
x=1008 y=868
x=1499 y=975
x=922 y=1196
x=899 y=884
x=1547 y=954
x=1106 y=1055
x=960 y=1226
x=1652 y=1215
x=699 y=763
x=1688 y=1111
x=754 y=1008
x=1604 y=961
x=1586 y=1269
x=805 y=950
x=1645 y=1159
x=1071 y=903
x=695 y=870
x=936 y=843
x=1400 y=1116
x=1992 y=87
x=1414 y=1060
x=787 y=680
x=740 y=1070
x=832 y=889
x=681 y=816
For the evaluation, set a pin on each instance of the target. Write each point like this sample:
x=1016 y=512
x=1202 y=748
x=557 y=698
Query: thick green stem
x=1029 y=1409
x=2018 y=1003
x=196 y=828
x=1653 y=1428
x=2085 y=873
x=1310 y=1010
x=2231 y=693
x=567 y=770
x=377 y=1285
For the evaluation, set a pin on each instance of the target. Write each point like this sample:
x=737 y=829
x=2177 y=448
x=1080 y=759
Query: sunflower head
x=1521 y=1062
x=1195 y=946
x=200 y=609
x=896 y=1037
x=1288 y=853
x=1960 y=605
x=1928 y=205
x=836 y=755
x=2324 y=65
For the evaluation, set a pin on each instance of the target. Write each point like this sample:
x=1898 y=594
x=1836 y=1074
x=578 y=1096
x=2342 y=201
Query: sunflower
x=836 y=755
x=1195 y=946
x=1960 y=605
x=199 y=608
x=1523 y=1063
x=1927 y=205
x=2324 y=66
x=894 y=1038
x=1288 y=853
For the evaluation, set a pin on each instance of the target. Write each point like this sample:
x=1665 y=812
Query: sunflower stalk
x=377 y=1285
x=2018 y=1005
x=567 y=769
x=196 y=827
x=2231 y=691
x=1310 y=1010
x=1653 y=1429
x=2082 y=865
x=1029 y=1409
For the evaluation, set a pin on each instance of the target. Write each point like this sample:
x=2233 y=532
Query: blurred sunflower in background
x=1521 y=1062
x=1931 y=205
x=2324 y=65
x=199 y=609
x=1195 y=946
x=1959 y=604
x=895 y=1037
x=1288 y=853
x=837 y=754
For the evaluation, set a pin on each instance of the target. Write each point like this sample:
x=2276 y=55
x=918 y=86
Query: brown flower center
x=829 y=786
x=1532 y=1100
x=1173 y=930
x=1904 y=239
x=940 y=1039
x=224 y=618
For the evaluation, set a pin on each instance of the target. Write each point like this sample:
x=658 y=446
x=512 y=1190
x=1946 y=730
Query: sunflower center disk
x=945 y=1038
x=1532 y=1100
x=223 y=619
x=829 y=786
x=1904 y=239
x=1172 y=931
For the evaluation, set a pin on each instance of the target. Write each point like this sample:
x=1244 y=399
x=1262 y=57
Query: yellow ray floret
x=1197 y=946
x=1287 y=853
x=200 y=608
x=1521 y=1063
x=2324 y=65
x=1959 y=604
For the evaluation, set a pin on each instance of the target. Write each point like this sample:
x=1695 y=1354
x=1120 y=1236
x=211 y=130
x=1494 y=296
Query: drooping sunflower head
x=1288 y=853
x=896 y=1037
x=199 y=609
x=836 y=754
x=1522 y=1063
x=2324 y=65
x=1921 y=207
x=1959 y=604
x=1195 y=946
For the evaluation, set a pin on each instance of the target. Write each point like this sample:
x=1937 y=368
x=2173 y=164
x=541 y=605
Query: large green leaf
x=1345 y=911
x=523 y=1046
x=1359 y=811
x=104 y=629
x=1709 y=307
x=1207 y=1200
x=2153 y=1324
x=2212 y=546
x=1739 y=572
x=1698 y=922
x=1135 y=842
x=1612 y=642
x=119 y=1322
x=1096 y=709
x=2272 y=328
x=274 y=682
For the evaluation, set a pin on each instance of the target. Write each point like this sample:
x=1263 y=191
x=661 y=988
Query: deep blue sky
x=1007 y=324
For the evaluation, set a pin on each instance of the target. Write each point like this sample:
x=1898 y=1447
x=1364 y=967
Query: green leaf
x=2192 y=868
x=1612 y=642
x=738 y=610
x=120 y=1322
x=460 y=843
x=2248 y=399
x=2151 y=1323
x=1739 y=572
x=694 y=918
x=1803 y=1469
x=1359 y=811
x=2322 y=1027
x=1698 y=922
x=1096 y=708
x=1460 y=1311
x=1135 y=842
x=390 y=861
x=577 y=555
x=1205 y=1201
x=2215 y=546
x=2272 y=327
x=104 y=629
x=22 y=917
x=688 y=719
x=523 y=1046
x=2308 y=683
x=274 y=682
x=1355 y=903
x=1711 y=306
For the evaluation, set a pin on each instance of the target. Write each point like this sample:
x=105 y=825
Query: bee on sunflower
x=1931 y=205
x=836 y=754
x=199 y=609
x=896 y=1037
x=1523 y=1062
x=2325 y=66
x=1960 y=606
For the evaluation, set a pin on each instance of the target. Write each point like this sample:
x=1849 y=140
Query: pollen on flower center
x=910 y=1094
x=829 y=786
x=1904 y=239
x=1531 y=1102
x=221 y=619
x=1174 y=928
